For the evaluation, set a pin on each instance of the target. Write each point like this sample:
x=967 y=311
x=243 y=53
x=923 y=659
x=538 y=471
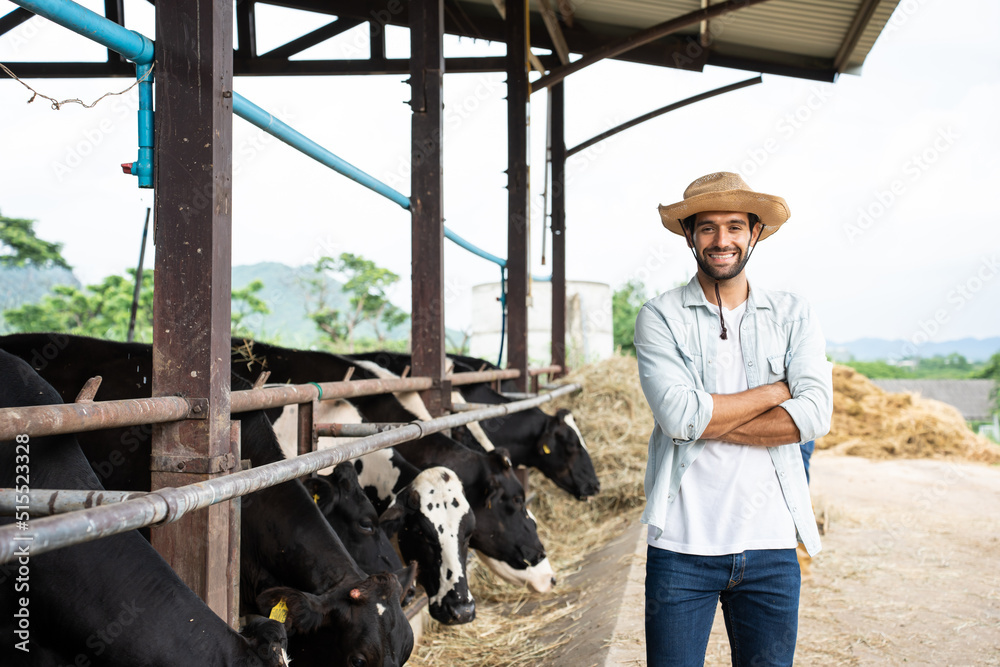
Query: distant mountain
x=874 y=349
x=28 y=284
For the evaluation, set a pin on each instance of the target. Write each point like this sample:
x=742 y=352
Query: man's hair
x=688 y=222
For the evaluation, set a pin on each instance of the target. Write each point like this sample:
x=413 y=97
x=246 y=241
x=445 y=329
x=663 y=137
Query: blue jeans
x=807 y=449
x=759 y=591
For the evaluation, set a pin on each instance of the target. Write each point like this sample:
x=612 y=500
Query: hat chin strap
x=718 y=297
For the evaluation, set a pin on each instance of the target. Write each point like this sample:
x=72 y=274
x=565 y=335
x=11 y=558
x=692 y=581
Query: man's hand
x=731 y=411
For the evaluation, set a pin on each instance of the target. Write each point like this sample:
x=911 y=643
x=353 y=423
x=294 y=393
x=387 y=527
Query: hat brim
x=772 y=211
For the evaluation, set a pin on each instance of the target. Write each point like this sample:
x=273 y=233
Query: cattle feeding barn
x=187 y=103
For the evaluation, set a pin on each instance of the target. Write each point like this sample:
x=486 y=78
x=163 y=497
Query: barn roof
x=971 y=397
x=804 y=38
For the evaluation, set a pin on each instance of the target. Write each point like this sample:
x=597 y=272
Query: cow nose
x=531 y=556
x=463 y=612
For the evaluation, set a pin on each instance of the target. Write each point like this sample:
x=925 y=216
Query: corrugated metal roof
x=780 y=35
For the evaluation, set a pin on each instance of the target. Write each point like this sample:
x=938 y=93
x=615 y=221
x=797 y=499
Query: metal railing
x=165 y=505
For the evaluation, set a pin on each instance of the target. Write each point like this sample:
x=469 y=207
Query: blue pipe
x=137 y=48
x=252 y=113
x=458 y=240
x=134 y=46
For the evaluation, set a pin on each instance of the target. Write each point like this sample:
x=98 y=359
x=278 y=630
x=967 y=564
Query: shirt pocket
x=693 y=363
x=776 y=368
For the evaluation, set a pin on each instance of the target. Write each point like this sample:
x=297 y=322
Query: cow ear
x=501 y=458
x=298 y=611
x=267 y=637
x=322 y=493
x=406 y=578
x=392 y=519
x=561 y=414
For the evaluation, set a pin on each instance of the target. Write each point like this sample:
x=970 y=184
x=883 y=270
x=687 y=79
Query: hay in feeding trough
x=875 y=424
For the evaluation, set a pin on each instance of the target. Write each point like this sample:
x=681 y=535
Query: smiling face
x=721 y=240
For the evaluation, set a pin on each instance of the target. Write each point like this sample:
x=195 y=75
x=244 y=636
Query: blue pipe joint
x=143 y=167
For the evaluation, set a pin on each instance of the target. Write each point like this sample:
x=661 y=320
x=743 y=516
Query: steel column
x=517 y=189
x=558 y=228
x=427 y=200
x=192 y=298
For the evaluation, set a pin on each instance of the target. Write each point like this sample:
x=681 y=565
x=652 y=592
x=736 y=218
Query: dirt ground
x=910 y=567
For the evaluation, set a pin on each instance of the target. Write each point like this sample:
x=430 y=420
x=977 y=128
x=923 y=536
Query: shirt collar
x=694 y=295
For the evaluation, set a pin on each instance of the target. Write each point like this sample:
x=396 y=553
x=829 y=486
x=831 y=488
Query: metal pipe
x=46 y=502
x=42 y=420
x=280 y=396
x=467 y=407
x=355 y=430
x=483 y=376
x=137 y=48
x=252 y=113
x=662 y=110
x=169 y=504
x=545 y=370
x=518 y=395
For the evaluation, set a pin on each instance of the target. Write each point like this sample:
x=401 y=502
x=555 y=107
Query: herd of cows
x=320 y=580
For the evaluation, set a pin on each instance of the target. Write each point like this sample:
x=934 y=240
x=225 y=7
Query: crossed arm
x=753 y=417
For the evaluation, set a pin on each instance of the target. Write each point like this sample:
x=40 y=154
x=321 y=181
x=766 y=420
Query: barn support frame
x=518 y=92
x=191 y=310
x=558 y=115
x=427 y=341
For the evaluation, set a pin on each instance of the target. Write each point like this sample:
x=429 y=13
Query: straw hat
x=725 y=191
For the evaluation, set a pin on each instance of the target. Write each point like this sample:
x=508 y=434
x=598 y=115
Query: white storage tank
x=589 y=328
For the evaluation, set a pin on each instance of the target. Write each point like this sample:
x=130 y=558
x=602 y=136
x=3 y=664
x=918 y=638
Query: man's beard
x=721 y=273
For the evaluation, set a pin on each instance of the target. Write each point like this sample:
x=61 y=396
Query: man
x=734 y=391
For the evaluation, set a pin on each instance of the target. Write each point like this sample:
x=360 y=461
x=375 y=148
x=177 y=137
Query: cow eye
x=358 y=661
x=366 y=526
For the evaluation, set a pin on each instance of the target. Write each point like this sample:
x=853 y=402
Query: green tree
x=625 y=305
x=103 y=310
x=991 y=371
x=367 y=284
x=100 y=310
x=19 y=246
x=246 y=304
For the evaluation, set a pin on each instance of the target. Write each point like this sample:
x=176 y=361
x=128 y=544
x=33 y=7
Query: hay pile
x=873 y=423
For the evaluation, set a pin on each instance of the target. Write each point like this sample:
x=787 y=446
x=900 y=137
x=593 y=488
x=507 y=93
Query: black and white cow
x=112 y=602
x=551 y=443
x=342 y=616
x=505 y=532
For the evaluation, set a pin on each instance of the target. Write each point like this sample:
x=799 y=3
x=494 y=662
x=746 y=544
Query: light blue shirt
x=676 y=336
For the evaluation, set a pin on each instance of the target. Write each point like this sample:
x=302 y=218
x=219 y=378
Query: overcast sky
x=884 y=173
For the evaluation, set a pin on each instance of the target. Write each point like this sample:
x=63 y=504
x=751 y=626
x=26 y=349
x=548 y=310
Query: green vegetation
x=103 y=310
x=991 y=371
x=367 y=284
x=950 y=367
x=20 y=247
x=625 y=305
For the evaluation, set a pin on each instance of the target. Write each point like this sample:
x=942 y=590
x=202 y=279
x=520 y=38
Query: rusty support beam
x=168 y=505
x=558 y=223
x=311 y=39
x=484 y=376
x=629 y=42
x=246 y=29
x=235 y=516
x=468 y=407
x=192 y=299
x=544 y=370
x=46 y=502
x=427 y=339
x=517 y=190
x=307 y=439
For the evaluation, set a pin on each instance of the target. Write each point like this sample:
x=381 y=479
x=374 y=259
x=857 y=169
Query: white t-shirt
x=729 y=499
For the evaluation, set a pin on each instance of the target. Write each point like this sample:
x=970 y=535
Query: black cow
x=551 y=443
x=110 y=602
x=353 y=517
x=505 y=532
x=285 y=541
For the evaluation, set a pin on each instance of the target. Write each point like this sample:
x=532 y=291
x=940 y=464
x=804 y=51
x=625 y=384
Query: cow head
x=268 y=640
x=562 y=457
x=357 y=624
x=504 y=529
x=435 y=524
x=354 y=519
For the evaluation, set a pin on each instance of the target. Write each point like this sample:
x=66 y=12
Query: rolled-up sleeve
x=670 y=380
x=810 y=379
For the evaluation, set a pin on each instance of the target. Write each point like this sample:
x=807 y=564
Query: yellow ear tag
x=545 y=448
x=316 y=498
x=279 y=612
